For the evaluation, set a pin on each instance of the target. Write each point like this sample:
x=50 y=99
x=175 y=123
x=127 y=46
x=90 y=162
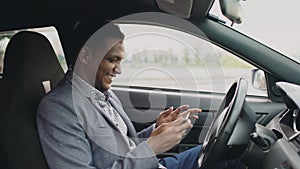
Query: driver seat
x=30 y=66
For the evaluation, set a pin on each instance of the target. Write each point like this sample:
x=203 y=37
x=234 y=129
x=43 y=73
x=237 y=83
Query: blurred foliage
x=230 y=62
x=169 y=59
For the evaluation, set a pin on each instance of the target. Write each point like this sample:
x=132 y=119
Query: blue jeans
x=189 y=160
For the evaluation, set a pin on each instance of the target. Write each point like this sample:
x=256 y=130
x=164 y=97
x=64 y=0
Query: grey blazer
x=76 y=134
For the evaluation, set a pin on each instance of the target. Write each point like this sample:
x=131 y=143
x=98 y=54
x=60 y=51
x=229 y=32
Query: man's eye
x=112 y=59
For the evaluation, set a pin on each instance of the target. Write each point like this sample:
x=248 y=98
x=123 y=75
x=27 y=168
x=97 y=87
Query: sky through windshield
x=272 y=22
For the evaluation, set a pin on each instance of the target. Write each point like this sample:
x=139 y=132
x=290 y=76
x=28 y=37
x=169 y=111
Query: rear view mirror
x=232 y=10
x=259 y=79
x=181 y=8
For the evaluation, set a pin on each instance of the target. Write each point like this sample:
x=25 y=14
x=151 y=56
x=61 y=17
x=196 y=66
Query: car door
x=165 y=67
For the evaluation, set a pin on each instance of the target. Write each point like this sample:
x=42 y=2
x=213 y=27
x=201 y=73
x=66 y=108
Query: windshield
x=272 y=22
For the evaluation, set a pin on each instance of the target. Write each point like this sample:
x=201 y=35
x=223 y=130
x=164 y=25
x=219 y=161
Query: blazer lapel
x=119 y=109
x=101 y=110
x=75 y=81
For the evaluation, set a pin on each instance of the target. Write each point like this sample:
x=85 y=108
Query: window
x=49 y=32
x=271 y=22
x=165 y=58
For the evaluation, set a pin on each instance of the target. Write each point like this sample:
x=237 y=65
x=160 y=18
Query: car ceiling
x=35 y=13
x=64 y=14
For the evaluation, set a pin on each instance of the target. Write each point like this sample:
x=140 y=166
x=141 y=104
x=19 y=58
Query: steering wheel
x=229 y=134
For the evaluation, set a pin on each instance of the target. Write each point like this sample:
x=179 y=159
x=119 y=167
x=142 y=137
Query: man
x=82 y=123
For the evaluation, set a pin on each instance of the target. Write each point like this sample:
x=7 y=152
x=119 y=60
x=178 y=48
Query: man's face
x=109 y=67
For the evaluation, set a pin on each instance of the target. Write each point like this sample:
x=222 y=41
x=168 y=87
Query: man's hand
x=170 y=128
x=192 y=114
x=167 y=135
x=169 y=115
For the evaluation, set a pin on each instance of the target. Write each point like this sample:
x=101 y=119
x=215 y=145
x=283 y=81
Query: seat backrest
x=29 y=61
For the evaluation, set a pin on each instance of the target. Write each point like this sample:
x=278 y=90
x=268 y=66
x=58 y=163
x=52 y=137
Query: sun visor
x=181 y=8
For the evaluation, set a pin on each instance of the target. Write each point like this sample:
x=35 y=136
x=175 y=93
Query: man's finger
x=183 y=114
x=194 y=117
x=185 y=124
x=180 y=108
x=168 y=111
x=195 y=110
x=193 y=113
x=178 y=121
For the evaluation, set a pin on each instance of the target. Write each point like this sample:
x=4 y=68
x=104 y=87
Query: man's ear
x=85 y=55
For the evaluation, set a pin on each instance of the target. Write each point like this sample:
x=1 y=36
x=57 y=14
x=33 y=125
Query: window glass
x=166 y=58
x=272 y=22
x=49 y=32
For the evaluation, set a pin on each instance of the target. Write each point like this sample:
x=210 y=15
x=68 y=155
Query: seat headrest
x=30 y=58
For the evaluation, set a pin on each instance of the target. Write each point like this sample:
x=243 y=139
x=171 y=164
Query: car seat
x=30 y=68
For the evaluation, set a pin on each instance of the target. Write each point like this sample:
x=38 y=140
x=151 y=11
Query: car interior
x=232 y=124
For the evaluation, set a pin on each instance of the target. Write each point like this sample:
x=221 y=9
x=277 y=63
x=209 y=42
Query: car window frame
x=207 y=40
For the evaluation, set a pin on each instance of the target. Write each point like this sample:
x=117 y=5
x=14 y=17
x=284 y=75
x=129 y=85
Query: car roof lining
x=33 y=13
x=63 y=15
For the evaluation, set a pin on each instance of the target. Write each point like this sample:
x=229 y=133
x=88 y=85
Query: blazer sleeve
x=145 y=133
x=65 y=144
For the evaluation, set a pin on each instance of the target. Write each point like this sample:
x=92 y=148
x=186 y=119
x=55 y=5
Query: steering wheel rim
x=218 y=139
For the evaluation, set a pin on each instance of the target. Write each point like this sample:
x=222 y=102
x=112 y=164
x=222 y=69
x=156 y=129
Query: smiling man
x=82 y=124
x=110 y=67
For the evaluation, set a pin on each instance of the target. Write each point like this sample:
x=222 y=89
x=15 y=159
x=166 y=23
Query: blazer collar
x=95 y=95
x=86 y=89
x=89 y=92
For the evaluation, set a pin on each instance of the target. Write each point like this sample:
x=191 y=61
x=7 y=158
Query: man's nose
x=117 y=69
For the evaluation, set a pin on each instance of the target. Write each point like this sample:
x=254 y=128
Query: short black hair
x=93 y=33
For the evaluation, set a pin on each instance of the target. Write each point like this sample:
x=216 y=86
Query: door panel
x=143 y=106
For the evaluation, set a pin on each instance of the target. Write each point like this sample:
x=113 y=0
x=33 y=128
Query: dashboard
x=277 y=145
